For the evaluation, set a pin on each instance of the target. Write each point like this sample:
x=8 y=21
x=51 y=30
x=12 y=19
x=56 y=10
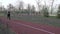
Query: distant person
x=8 y=15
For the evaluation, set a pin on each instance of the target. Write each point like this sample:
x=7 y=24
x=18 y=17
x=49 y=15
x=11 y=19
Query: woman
x=8 y=15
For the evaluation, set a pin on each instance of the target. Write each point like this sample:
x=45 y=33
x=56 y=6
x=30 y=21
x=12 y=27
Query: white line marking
x=36 y=28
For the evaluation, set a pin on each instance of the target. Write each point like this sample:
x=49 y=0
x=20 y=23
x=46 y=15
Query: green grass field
x=4 y=30
x=52 y=20
x=40 y=20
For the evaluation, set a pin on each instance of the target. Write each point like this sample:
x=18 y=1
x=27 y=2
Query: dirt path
x=22 y=27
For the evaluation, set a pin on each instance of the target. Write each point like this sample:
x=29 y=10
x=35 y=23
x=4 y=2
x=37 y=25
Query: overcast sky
x=32 y=2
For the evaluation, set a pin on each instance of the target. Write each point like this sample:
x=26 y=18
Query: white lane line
x=36 y=28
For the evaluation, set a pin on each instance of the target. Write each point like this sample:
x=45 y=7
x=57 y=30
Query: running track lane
x=21 y=27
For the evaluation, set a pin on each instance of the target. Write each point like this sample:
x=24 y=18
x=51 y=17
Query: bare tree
x=38 y=4
x=52 y=6
x=45 y=11
x=3 y=8
x=33 y=8
x=0 y=6
x=10 y=7
x=45 y=2
x=21 y=5
x=58 y=12
x=28 y=8
x=43 y=7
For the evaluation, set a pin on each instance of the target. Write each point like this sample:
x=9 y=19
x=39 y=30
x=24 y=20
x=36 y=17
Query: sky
x=32 y=2
x=14 y=2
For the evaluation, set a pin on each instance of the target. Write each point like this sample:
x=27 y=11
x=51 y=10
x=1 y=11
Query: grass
x=51 y=20
x=39 y=20
x=53 y=17
x=4 y=30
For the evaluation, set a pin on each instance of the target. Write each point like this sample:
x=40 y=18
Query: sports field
x=23 y=27
x=28 y=24
x=52 y=21
x=40 y=20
